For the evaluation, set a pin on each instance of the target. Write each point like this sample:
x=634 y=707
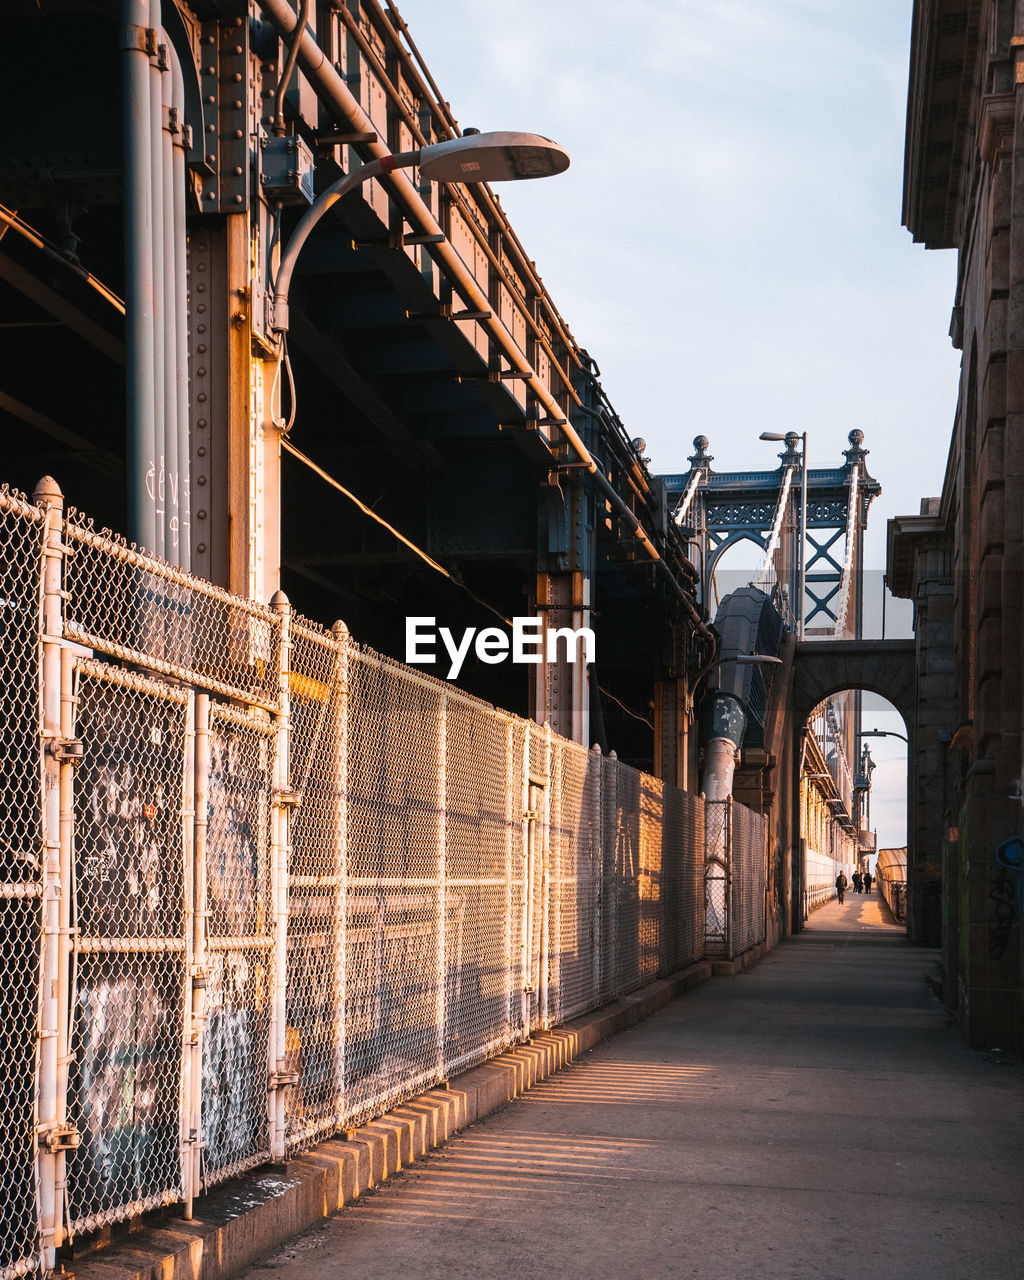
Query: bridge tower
x=808 y=526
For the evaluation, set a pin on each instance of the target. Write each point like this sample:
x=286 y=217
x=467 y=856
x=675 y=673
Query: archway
x=823 y=670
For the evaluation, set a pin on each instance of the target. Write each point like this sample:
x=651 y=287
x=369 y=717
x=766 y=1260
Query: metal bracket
x=67 y=750
x=283 y=1079
x=63 y=1137
x=288 y=799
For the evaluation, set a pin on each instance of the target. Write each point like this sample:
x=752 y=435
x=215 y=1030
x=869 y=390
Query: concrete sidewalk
x=816 y=1116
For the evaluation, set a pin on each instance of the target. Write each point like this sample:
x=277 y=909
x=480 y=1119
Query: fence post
x=200 y=917
x=727 y=851
x=280 y=1075
x=510 y=828
x=53 y=1138
x=442 y=869
x=612 y=834
x=340 y=845
x=544 y=976
x=595 y=769
x=526 y=947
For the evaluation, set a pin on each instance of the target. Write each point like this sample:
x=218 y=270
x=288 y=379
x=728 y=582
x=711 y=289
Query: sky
x=727 y=242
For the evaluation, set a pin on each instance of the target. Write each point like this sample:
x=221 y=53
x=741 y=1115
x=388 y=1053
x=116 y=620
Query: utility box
x=286 y=170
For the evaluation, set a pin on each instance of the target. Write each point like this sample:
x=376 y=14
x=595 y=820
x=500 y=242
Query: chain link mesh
x=456 y=877
x=240 y=943
x=716 y=876
x=749 y=868
x=316 y=886
x=127 y=1031
x=21 y=558
x=395 y=917
x=144 y=610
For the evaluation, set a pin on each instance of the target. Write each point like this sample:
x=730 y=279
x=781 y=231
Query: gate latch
x=60 y=1137
x=67 y=750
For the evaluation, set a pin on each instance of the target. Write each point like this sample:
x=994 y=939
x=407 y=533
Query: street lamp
x=883 y=733
x=475 y=157
x=802 y=561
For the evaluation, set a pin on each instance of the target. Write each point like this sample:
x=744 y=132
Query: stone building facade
x=961 y=558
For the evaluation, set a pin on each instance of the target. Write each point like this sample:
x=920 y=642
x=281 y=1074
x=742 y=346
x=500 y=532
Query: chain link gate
x=131 y=947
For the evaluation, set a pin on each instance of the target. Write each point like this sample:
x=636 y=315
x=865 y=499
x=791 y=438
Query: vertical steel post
x=200 y=918
x=157 y=76
x=340 y=869
x=179 y=429
x=442 y=803
x=280 y=1077
x=48 y=1105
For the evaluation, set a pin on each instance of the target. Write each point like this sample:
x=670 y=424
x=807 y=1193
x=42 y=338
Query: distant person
x=867 y=881
x=841 y=883
x=857 y=882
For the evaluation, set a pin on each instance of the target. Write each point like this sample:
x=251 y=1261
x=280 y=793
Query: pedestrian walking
x=867 y=881
x=841 y=883
x=857 y=882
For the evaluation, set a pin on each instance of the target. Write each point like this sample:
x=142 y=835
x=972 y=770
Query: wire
x=23 y=229
x=438 y=568
x=634 y=714
x=289 y=66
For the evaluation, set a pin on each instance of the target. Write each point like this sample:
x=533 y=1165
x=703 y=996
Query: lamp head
x=492 y=157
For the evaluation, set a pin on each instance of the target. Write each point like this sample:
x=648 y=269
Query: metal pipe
x=543 y=984
x=180 y=356
x=168 y=252
x=140 y=329
x=199 y=952
x=64 y=989
x=48 y=496
x=525 y=940
x=442 y=888
x=157 y=249
x=186 y=852
x=339 y=781
x=279 y=1067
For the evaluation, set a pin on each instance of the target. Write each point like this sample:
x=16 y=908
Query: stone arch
x=827 y=667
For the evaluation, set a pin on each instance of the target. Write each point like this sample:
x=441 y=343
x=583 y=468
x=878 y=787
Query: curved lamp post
x=883 y=733
x=475 y=157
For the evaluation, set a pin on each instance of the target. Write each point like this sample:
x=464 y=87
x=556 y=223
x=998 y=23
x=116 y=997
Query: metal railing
x=260 y=883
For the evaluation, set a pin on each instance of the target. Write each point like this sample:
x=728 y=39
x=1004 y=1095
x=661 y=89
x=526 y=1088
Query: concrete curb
x=239 y=1223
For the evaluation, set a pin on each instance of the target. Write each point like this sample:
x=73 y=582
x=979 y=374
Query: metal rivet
x=201 y=397
x=201 y=547
x=201 y=373
x=201 y=422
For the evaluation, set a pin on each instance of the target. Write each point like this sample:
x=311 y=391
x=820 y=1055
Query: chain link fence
x=735 y=878
x=261 y=883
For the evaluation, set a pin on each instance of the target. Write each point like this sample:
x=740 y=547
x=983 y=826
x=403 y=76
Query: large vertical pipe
x=156 y=184
x=167 y=336
x=140 y=329
x=180 y=428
